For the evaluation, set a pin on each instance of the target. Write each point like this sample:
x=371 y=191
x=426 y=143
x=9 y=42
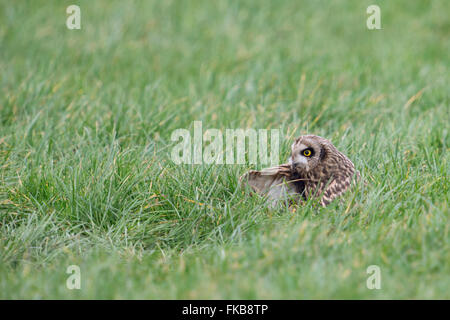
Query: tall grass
x=86 y=176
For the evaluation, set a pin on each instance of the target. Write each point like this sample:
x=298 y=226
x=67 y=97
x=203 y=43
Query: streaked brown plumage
x=316 y=169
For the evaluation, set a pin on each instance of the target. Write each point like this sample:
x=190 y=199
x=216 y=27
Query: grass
x=86 y=176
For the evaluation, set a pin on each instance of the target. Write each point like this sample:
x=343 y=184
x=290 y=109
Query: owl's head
x=308 y=152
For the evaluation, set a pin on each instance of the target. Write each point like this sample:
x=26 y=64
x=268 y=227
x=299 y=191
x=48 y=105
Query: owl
x=315 y=169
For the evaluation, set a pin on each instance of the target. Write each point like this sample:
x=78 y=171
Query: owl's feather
x=277 y=183
x=326 y=177
x=327 y=192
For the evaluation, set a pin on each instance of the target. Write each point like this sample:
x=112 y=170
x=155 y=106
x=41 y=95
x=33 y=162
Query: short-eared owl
x=314 y=169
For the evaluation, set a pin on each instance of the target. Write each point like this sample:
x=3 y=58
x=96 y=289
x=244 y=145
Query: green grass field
x=86 y=176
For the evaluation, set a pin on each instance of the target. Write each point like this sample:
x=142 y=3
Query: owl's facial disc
x=301 y=156
x=299 y=162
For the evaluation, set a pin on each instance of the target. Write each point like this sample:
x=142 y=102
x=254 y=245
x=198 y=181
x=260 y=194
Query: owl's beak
x=296 y=165
x=299 y=163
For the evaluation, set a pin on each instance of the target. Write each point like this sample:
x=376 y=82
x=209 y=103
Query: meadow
x=86 y=176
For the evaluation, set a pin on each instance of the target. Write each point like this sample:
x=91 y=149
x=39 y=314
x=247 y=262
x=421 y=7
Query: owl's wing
x=276 y=183
x=335 y=188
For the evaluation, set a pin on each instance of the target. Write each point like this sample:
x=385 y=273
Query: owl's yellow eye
x=307 y=153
